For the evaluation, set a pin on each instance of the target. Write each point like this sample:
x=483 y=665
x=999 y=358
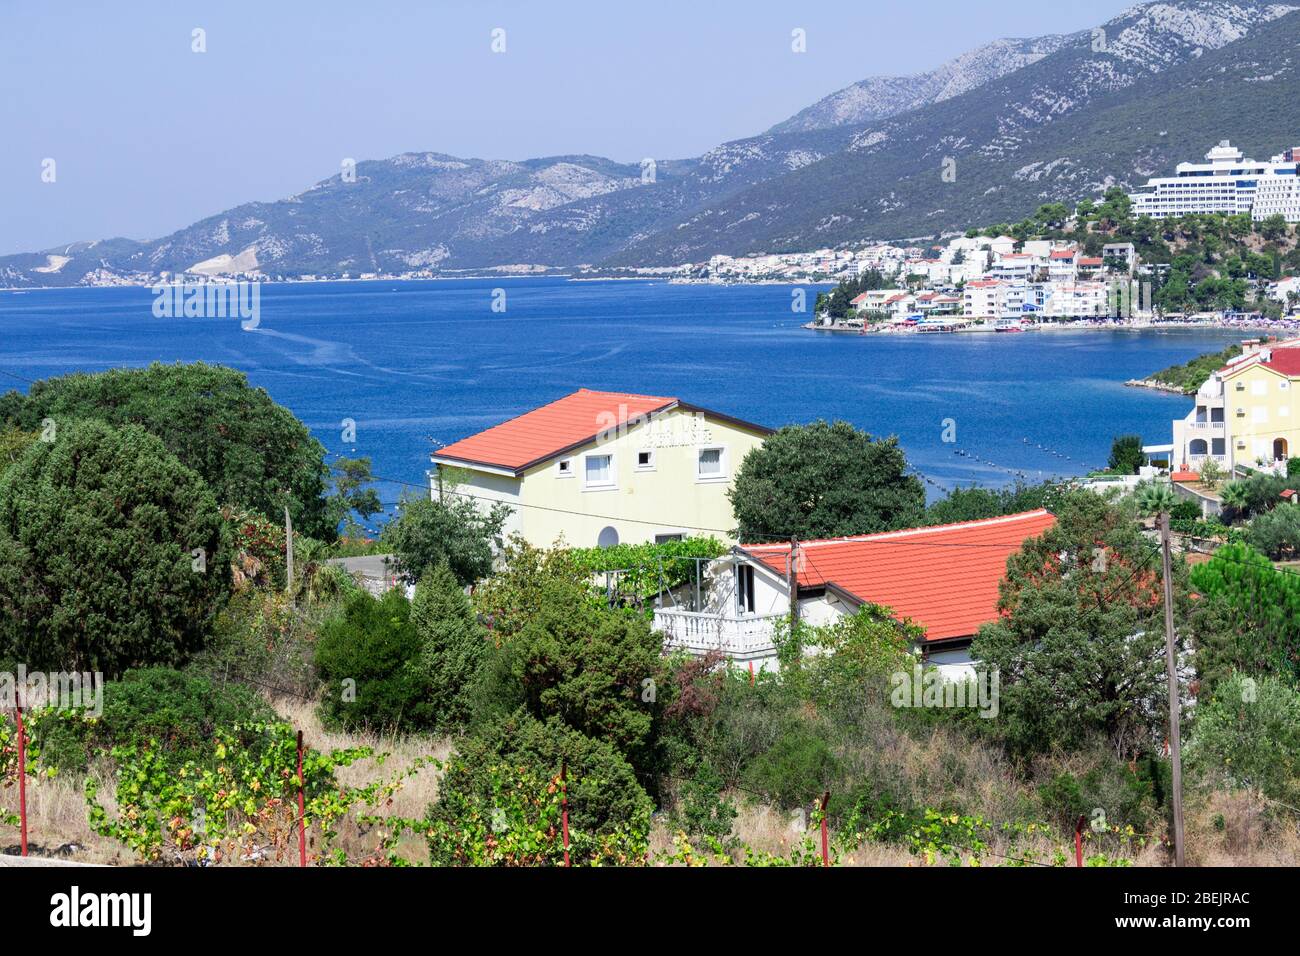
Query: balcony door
x=745 y=589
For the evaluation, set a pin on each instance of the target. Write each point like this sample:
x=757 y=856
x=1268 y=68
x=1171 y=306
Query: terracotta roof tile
x=551 y=429
x=944 y=578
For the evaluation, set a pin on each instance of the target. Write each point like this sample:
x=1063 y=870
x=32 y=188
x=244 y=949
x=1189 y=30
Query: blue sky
x=149 y=136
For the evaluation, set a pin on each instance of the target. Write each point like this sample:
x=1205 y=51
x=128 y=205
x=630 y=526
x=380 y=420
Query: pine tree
x=454 y=644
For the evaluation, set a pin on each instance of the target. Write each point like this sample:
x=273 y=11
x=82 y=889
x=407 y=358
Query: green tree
x=1247 y=618
x=454 y=531
x=824 y=480
x=1155 y=497
x=974 y=503
x=1274 y=227
x=596 y=669
x=248 y=449
x=1079 y=641
x=1248 y=735
x=351 y=476
x=1235 y=496
x=1126 y=454
x=1276 y=532
x=454 y=645
x=13 y=442
x=369 y=658
x=112 y=553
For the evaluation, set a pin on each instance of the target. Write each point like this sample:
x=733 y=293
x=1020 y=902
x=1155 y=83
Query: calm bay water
x=419 y=364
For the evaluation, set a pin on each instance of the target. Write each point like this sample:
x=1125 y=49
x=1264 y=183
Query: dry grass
x=409 y=802
x=56 y=821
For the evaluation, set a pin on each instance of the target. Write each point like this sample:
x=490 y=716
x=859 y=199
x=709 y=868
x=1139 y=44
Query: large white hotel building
x=1225 y=183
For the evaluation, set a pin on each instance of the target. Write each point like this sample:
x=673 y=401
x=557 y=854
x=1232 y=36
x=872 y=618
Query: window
x=671 y=536
x=608 y=537
x=645 y=460
x=711 y=464
x=600 y=471
x=565 y=468
x=745 y=588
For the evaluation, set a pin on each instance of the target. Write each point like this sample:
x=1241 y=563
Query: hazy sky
x=149 y=136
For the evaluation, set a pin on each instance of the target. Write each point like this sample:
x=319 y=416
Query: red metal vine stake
x=302 y=810
x=22 y=776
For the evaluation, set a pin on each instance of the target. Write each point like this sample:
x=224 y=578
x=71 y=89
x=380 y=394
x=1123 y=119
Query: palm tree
x=1235 y=495
x=1155 y=498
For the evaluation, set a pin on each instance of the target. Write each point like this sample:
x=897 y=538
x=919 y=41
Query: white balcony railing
x=745 y=636
x=1206 y=426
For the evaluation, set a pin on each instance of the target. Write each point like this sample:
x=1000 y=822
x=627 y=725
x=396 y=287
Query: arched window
x=1198 y=446
x=608 y=537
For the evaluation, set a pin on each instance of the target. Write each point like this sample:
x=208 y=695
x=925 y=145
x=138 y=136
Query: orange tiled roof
x=567 y=423
x=944 y=578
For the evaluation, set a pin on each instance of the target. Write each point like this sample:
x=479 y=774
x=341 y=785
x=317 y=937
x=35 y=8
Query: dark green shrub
x=368 y=656
x=454 y=645
x=1185 y=511
x=603 y=792
x=113 y=554
x=167 y=710
x=702 y=810
x=1110 y=793
x=796 y=770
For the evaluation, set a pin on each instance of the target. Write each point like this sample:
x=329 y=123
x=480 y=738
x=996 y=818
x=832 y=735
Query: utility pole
x=792 y=581
x=288 y=552
x=1171 y=664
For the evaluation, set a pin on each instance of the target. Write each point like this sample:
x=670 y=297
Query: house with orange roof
x=603 y=468
x=943 y=579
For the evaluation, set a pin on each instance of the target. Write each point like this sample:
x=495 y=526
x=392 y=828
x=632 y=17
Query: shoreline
x=1290 y=326
x=1157 y=386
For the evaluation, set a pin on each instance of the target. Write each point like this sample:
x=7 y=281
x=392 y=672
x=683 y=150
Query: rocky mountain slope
x=1017 y=122
x=880 y=97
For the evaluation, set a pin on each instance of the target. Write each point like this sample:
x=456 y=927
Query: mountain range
x=986 y=137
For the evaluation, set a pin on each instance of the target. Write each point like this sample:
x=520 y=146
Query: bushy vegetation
x=113 y=554
x=1191 y=375
x=974 y=503
x=824 y=480
x=452 y=532
x=367 y=658
x=1080 y=644
x=249 y=450
x=173 y=713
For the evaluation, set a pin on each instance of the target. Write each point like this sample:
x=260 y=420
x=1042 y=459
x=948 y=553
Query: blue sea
x=420 y=364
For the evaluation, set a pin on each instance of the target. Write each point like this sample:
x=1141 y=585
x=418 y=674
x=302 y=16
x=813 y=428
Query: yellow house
x=1246 y=413
x=604 y=468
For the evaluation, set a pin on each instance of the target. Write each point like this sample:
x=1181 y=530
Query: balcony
x=741 y=637
x=1206 y=426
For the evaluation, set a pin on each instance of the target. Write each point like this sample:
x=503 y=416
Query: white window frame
x=724 y=472
x=649 y=466
x=613 y=473
x=561 y=471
